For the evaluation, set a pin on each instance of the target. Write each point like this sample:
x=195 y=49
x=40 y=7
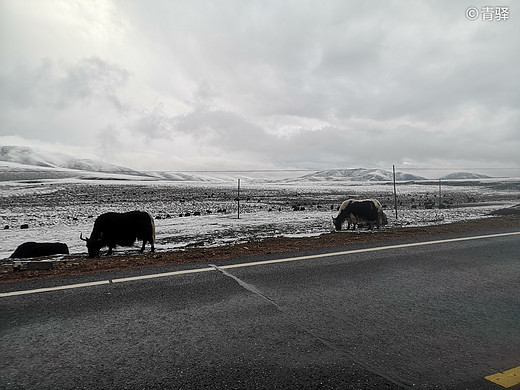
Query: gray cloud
x=62 y=85
x=60 y=101
x=286 y=84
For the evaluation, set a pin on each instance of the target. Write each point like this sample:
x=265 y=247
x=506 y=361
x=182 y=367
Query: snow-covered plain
x=59 y=209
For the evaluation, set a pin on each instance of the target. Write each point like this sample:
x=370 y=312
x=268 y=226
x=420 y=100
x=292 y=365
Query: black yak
x=367 y=211
x=111 y=229
x=37 y=249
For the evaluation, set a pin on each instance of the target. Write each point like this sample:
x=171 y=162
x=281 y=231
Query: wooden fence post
x=238 y=198
x=395 y=193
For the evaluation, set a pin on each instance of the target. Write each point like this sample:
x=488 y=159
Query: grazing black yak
x=111 y=229
x=367 y=211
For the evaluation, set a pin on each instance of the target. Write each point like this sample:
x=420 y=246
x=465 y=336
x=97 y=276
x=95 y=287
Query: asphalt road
x=436 y=316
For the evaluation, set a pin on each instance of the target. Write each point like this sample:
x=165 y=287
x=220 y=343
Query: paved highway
x=422 y=315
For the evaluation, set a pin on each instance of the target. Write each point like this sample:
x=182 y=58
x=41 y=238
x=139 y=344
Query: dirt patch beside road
x=73 y=265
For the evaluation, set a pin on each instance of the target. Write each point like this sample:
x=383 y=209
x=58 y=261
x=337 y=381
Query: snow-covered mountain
x=464 y=176
x=25 y=163
x=37 y=158
x=358 y=174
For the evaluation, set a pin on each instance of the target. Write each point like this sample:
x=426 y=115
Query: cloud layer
x=262 y=84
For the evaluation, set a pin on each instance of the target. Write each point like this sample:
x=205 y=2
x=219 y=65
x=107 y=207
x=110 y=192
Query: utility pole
x=238 y=199
x=439 y=193
x=395 y=193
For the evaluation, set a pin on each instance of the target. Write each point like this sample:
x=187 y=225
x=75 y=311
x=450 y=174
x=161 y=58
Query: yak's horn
x=81 y=237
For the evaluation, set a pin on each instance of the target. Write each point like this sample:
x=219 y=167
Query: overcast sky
x=256 y=84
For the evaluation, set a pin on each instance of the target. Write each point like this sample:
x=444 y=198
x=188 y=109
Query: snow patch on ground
x=59 y=210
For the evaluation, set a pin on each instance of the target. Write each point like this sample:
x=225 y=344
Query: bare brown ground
x=73 y=265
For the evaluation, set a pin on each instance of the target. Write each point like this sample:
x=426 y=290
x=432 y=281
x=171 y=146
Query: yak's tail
x=153 y=228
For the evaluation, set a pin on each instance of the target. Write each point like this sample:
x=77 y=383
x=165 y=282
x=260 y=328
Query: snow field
x=59 y=210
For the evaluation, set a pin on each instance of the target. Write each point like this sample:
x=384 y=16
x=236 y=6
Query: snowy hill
x=464 y=176
x=358 y=174
x=11 y=171
x=37 y=158
x=23 y=155
x=25 y=163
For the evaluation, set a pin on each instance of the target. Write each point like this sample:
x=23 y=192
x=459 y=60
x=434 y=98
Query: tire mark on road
x=249 y=287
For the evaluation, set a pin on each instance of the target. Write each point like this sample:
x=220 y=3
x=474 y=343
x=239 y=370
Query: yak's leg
x=144 y=244
x=109 y=250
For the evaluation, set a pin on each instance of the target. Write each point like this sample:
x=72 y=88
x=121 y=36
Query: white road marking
x=152 y=276
x=251 y=264
x=380 y=248
x=66 y=287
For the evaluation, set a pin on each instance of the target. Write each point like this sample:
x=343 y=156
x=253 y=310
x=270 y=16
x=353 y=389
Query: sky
x=264 y=84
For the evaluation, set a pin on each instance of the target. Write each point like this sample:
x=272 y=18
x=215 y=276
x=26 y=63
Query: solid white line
x=151 y=276
x=379 y=248
x=66 y=287
x=283 y=260
x=121 y=280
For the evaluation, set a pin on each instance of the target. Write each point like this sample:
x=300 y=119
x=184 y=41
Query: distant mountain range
x=464 y=176
x=36 y=158
x=25 y=163
x=359 y=174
